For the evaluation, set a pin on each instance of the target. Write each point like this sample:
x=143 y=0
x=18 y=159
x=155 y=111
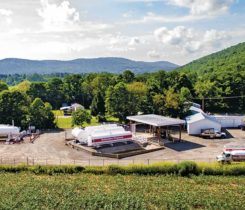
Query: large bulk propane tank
x=9 y=130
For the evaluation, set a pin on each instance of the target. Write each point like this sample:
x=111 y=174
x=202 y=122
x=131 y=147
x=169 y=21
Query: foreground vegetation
x=86 y=191
x=186 y=185
x=186 y=168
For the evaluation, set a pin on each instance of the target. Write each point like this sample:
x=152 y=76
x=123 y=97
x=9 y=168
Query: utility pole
x=203 y=104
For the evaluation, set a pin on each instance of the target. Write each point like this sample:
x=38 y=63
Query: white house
x=199 y=121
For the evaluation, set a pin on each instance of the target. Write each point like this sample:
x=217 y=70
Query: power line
x=218 y=98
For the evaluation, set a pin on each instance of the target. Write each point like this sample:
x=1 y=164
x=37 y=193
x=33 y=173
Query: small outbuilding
x=200 y=121
x=69 y=109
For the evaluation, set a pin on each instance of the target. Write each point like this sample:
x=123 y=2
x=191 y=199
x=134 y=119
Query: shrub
x=97 y=170
x=115 y=169
x=12 y=169
x=157 y=168
x=213 y=169
x=51 y=170
x=187 y=168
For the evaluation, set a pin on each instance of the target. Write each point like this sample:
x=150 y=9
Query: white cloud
x=134 y=41
x=120 y=43
x=178 y=35
x=5 y=16
x=203 y=7
x=198 y=10
x=58 y=17
x=153 y=54
x=6 y=12
x=190 y=40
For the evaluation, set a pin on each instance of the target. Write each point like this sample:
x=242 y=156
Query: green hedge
x=185 y=168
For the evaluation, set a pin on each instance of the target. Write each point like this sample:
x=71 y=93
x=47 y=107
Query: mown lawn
x=66 y=121
x=87 y=191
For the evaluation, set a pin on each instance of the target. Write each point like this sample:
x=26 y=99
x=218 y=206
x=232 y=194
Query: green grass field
x=66 y=122
x=88 y=191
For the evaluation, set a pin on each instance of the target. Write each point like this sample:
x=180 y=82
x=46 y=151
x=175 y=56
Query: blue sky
x=174 y=30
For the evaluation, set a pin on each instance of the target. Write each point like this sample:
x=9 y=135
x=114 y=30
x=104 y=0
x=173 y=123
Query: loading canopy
x=156 y=120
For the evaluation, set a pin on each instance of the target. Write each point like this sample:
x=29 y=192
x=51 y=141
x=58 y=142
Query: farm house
x=197 y=122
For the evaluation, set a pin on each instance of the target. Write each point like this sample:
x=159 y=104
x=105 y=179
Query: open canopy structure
x=158 y=122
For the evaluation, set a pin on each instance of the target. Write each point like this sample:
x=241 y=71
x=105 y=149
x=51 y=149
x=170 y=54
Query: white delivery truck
x=234 y=147
x=229 y=156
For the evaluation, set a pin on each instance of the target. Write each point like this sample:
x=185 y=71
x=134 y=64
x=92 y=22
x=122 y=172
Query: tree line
x=120 y=95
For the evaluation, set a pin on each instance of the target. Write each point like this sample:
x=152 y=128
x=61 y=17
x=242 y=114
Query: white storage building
x=199 y=121
x=227 y=121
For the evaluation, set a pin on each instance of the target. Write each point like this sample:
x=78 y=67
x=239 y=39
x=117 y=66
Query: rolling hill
x=225 y=60
x=109 y=64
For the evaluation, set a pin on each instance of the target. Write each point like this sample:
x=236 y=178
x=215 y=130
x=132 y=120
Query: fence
x=92 y=162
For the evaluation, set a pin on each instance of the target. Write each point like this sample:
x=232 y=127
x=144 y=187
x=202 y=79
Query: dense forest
x=218 y=78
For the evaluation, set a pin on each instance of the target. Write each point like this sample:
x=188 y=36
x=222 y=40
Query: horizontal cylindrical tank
x=103 y=134
x=9 y=130
x=80 y=135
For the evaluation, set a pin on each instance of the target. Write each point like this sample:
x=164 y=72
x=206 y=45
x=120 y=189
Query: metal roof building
x=158 y=122
x=197 y=122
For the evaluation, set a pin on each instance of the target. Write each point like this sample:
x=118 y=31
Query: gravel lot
x=50 y=148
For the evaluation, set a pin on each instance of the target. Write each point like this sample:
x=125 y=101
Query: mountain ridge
x=229 y=58
x=81 y=65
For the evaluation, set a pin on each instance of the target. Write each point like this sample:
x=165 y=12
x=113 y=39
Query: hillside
x=113 y=65
x=228 y=59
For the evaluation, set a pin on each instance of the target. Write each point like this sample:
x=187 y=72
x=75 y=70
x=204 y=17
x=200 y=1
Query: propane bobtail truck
x=230 y=156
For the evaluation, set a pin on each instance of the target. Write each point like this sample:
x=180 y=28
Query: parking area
x=50 y=148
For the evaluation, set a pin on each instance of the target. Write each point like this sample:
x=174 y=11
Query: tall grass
x=186 y=168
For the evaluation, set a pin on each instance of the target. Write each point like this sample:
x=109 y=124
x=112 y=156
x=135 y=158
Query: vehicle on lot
x=212 y=133
x=234 y=147
x=228 y=157
x=243 y=127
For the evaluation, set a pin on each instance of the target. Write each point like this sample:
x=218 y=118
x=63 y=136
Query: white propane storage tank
x=8 y=130
x=102 y=134
x=80 y=135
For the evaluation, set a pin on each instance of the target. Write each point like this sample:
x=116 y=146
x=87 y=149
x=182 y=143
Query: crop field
x=88 y=191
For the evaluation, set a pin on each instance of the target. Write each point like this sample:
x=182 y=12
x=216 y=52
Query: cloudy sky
x=174 y=30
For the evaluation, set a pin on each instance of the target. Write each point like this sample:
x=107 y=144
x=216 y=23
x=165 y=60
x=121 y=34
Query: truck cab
x=225 y=157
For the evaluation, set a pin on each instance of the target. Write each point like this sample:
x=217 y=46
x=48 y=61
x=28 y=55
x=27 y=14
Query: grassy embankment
x=186 y=185
x=66 y=121
x=89 y=191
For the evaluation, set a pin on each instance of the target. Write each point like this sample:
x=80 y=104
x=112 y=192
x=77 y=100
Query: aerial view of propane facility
x=122 y=104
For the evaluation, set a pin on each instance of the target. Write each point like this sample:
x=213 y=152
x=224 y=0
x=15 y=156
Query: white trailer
x=227 y=157
x=104 y=134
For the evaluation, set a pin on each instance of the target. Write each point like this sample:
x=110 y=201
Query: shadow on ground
x=183 y=146
x=228 y=134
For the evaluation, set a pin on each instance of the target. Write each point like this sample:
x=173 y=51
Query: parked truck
x=228 y=157
x=211 y=133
